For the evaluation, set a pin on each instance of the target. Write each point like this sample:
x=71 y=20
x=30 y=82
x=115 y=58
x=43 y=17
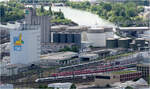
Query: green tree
x=75 y=48
x=107 y=6
x=42 y=87
x=50 y=11
x=73 y=86
x=140 y=9
x=42 y=9
x=128 y=87
x=131 y=12
x=2 y=11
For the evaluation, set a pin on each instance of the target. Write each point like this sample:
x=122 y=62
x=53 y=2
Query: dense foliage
x=11 y=12
x=122 y=14
x=128 y=87
x=35 y=1
x=41 y=1
x=57 y=17
x=73 y=86
x=73 y=49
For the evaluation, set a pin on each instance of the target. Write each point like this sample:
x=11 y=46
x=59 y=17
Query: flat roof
x=124 y=72
x=68 y=28
x=88 y=55
x=100 y=29
x=134 y=28
x=59 y=55
x=101 y=51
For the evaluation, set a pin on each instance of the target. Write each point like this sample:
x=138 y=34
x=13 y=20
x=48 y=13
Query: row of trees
x=13 y=11
x=57 y=17
x=73 y=86
x=122 y=14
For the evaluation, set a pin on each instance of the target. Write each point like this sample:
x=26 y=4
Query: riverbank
x=83 y=18
x=121 y=14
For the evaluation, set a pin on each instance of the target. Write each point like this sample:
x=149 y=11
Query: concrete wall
x=29 y=50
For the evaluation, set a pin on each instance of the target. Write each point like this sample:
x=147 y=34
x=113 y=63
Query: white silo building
x=44 y=22
x=97 y=36
x=25 y=44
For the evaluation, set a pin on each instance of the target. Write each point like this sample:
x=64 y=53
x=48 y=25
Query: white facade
x=99 y=39
x=25 y=45
x=60 y=85
x=6 y=86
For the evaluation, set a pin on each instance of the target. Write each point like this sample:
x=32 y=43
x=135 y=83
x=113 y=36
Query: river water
x=82 y=17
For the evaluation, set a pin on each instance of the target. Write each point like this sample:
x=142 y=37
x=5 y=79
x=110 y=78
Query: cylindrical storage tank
x=112 y=43
x=124 y=42
x=140 y=42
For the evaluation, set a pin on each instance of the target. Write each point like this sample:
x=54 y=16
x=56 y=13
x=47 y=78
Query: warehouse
x=131 y=31
x=102 y=53
x=61 y=58
x=88 y=57
x=119 y=76
x=144 y=67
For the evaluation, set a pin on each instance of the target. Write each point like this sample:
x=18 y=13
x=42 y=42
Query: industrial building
x=25 y=44
x=55 y=47
x=44 y=22
x=63 y=29
x=135 y=44
x=10 y=69
x=4 y=35
x=102 y=53
x=98 y=36
x=119 y=76
x=144 y=67
x=88 y=57
x=60 y=85
x=6 y=86
x=146 y=35
x=61 y=58
x=67 y=38
x=131 y=31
